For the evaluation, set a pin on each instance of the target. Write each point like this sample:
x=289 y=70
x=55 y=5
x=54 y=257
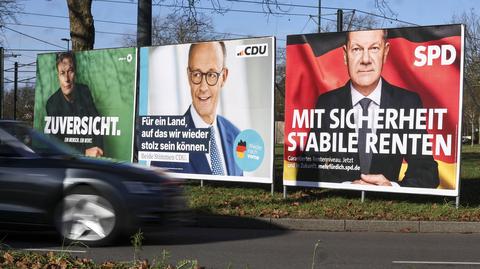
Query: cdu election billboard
x=376 y=110
x=87 y=100
x=206 y=109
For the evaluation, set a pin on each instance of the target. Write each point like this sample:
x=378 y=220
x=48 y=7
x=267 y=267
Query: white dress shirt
x=375 y=96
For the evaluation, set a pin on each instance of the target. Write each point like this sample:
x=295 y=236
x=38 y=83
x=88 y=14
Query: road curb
x=337 y=225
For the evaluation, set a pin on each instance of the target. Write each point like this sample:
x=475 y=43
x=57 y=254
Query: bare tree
x=25 y=101
x=354 y=21
x=8 y=8
x=384 y=8
x=469 y=119
x=280 y=75
x=176 y=29
x=82 y=29
x=180 y=29
x=472 y=68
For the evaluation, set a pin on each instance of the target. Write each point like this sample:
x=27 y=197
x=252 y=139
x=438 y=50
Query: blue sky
x=47 y=20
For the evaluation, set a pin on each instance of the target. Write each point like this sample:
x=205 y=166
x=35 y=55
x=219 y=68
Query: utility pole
x=339 y=20
x=319 y=16
x=68 y=42
x=1 y=81
x=15 y=88
x=144 y=23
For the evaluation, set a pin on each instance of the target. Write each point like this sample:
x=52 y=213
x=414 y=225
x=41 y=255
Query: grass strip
x=255 y=200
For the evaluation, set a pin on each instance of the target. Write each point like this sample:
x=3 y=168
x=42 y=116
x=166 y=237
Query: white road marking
x=436 y=262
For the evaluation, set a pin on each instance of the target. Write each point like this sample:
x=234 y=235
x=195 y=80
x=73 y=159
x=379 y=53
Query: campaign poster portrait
x=375 y=110
x=87 y=100
x=206 y=109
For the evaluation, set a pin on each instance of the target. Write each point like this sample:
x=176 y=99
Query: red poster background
x=308 y=76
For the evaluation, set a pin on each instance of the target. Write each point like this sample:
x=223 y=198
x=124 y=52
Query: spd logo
x=257 y=50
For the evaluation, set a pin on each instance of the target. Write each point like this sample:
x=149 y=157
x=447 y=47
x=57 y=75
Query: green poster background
x=111 y=76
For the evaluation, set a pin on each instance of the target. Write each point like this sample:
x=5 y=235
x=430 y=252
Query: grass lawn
x=255 y=200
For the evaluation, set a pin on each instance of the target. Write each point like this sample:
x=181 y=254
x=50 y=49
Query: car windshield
x=24 y=139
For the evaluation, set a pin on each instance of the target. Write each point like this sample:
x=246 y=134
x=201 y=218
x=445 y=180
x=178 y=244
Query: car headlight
x=139 y=187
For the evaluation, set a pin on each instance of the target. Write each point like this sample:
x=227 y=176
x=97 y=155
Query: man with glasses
x=207 y=74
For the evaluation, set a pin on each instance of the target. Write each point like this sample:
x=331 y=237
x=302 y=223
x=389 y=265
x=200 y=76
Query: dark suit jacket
x=82 y=105
x=422 y=169
x=198 y=161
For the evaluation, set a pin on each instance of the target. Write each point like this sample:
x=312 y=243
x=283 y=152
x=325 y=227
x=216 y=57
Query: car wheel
x=88 y=217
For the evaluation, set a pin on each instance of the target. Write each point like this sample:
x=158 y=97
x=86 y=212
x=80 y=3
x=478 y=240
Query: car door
x=29 y=185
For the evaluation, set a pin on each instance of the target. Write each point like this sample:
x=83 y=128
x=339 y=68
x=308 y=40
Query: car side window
x=7 y=150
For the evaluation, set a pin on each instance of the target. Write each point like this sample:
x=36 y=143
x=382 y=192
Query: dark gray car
x=44 y=183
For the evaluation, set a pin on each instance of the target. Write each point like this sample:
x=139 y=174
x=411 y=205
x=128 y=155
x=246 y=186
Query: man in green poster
x=71 y=103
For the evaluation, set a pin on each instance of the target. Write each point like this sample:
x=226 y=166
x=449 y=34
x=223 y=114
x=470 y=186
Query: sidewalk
x=337 y=225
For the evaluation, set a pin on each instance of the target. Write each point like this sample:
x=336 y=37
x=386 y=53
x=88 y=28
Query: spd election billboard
x=87 y=99
x=376 y=110
x=206 y=109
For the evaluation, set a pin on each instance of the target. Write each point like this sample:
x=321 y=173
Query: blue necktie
x=217 y=167
x=365 y=158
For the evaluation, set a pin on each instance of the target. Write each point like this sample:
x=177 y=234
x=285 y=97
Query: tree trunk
x=82 y=30
x=473 y=132
x=478 y=129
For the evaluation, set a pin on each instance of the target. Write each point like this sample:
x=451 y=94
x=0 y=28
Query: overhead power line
x=29 y=64
x=32 y=37
x=39 y=50
x=329 y=8
x=20 y=81
x=117 y=1
x=267 y=12
x=102 y=32
x=385 y=17
x=238 y=10
x=12 y=69
x=66 y=17
x=290 y=5
x=63 y=28
x=332 y=20
x=210 y=8
x=21 y=71
x=26 y=79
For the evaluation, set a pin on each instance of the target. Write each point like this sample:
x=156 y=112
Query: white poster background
x=246 y=98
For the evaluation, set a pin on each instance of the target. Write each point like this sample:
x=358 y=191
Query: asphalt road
x=246 y=248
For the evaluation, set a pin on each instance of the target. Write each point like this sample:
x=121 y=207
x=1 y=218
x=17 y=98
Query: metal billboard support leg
x=272 y=189
x=363 y=197
x=457 y=201
x=201 y=183
x=284 y=192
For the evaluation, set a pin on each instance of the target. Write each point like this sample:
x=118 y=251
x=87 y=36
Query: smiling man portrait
x=207 y=74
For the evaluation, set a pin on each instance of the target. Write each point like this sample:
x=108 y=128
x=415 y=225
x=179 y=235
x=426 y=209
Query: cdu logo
x=257 y=50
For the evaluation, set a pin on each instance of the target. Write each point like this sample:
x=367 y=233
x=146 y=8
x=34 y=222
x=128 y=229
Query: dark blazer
x=422 y=169
x=81 y=106
x=198 y=161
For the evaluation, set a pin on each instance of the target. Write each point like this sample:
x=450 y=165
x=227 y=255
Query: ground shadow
x=214 y=228
x=201 y=229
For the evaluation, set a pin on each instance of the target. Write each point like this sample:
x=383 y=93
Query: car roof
x=4 y=122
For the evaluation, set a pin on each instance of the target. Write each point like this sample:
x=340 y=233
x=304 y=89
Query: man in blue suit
x=207 y=74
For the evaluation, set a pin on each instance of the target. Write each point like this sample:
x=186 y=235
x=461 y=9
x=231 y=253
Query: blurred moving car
x=45 y=183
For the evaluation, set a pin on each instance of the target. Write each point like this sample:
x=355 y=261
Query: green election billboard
x=87 y=100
